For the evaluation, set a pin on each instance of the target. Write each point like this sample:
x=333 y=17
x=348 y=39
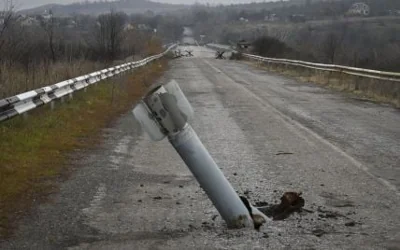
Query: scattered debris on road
x=319 y=232
x=219 y=55
x=350 y=224
x=284 y=153
x=189 y=53
x=290 y=202
x=261 y=204
x=328 y=214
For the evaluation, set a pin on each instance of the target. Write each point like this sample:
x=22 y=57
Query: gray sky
x=24 y=4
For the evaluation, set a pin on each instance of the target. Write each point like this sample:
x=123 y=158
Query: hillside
x=96 y=8
x=312 y=6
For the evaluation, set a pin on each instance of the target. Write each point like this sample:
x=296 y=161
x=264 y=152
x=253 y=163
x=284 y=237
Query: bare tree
x=48 y=23
x=333 y=42
x=271 y=47
x=109 y=35
x=6 y=19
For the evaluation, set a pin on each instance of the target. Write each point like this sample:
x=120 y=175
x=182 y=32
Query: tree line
x=38 y=50
x=368 y=42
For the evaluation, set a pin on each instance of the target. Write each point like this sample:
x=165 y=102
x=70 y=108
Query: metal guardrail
x=368 y=73
x=22 y=103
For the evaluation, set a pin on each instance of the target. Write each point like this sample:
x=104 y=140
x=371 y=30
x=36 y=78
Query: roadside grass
x=16 y=79
x=34 y=149
x=361 y=87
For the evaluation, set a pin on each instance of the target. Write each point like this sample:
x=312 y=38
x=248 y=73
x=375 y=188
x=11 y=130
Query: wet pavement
x=269 y=135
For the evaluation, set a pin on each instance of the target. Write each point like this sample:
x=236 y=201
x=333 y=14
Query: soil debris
x=350 y=224
x=328 y=214
x=261 y=204
x=284 y=153
x=290 y=202
x=318 y=232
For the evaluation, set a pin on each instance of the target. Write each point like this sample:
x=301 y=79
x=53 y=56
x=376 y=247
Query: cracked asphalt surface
x=269 y=134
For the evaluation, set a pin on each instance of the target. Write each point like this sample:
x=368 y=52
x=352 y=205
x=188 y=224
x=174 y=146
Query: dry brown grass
x=16 y=79
x=365 y=88
x=33 y=150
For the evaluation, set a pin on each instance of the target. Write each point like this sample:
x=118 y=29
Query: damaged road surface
x=132 y=193
x=290 y=203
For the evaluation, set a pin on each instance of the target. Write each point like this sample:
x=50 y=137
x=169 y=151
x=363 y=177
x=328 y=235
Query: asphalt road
x=269 y=134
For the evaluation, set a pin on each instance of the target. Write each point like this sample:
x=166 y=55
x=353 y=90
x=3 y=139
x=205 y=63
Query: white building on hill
x=359 y=9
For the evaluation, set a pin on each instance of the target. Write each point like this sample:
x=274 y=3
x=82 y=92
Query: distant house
x=359 y=9
x=245 y=20
x=71 y=24
x=144 y=27
x=128 y=27
x=28 y=21
x=47 y=15
x=271 y=18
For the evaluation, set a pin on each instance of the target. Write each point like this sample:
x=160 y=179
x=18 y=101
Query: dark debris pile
x=291 y=202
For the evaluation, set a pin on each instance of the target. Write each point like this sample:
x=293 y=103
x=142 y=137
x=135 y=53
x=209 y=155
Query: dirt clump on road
x=291 y=202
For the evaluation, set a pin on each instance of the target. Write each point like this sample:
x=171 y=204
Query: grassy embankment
x=34 y=150
x=363 y=88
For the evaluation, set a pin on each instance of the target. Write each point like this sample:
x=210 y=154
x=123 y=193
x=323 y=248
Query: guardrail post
x=341 y=77
x=166 y=112
x=357 y=83
x=52 y=105
x=71 y=96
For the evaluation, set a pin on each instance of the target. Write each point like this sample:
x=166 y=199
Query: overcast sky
x=24 y=4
